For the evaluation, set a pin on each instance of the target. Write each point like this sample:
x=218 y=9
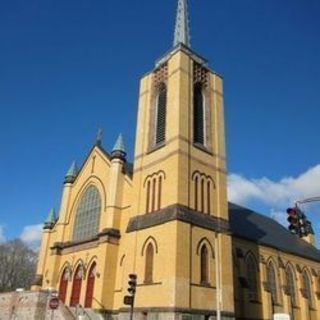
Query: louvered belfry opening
x=161 y=114
x=198 y=114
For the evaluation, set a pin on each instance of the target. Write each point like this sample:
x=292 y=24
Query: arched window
x=161 y=114
x=159 y=192
x=148 y=276
x=88 y=215
x=307 y=288
x=272 y=281
x=196 y=193
x=154 y=184
x=209 y=197
x=202 y=195
x=148 y=196
x=252 y=276
x=290 y=285
x=204 y=265
x=198 y=115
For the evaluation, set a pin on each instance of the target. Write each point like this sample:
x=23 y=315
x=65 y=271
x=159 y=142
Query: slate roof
x=250 y=225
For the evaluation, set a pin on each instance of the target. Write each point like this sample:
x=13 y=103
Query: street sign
x=281 y=316
x=54 y=303
x=128 y=300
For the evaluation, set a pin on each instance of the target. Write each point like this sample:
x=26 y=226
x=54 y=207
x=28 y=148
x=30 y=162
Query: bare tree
x=17 y=265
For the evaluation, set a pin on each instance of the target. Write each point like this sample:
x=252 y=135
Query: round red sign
x=54 y=303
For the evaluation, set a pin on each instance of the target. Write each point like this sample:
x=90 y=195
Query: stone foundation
x=23 y=305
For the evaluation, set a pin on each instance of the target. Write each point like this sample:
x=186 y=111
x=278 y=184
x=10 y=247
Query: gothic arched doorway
x=76 y=286
x=90 y=286
x=64 y=284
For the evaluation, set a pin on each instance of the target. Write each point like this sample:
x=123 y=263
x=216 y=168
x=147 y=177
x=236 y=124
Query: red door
x=76 y=287
x=90 y=286
x=63 y=285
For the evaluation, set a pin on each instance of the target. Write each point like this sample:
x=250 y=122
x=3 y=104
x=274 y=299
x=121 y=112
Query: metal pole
x=52 y=315
x=218 y=285
x=131 y=309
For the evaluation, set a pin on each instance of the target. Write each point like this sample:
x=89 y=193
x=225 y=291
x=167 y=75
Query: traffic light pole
x=131 y=310
x=308 y=200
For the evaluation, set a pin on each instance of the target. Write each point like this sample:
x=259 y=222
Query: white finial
x=182 y=33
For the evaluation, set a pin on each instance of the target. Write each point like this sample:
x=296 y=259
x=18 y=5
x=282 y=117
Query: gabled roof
x=247 y=224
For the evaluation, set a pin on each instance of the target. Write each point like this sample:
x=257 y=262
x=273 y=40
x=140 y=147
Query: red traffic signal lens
x=291 y=212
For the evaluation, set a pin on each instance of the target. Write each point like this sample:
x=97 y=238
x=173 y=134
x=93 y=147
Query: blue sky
x=69 y=67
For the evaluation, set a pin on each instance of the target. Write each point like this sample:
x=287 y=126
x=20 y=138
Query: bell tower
x=178 y=234
x=180 y=140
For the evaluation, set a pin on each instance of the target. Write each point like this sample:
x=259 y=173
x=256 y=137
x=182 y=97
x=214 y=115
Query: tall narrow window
x=198 y=115
x=202 y=195
x=159 y=193
x=148 y=197
x=148 y=277
x=204 y=265
x=196 y=193
x=154 y=183
x=307 y=288
x=161 y=114
x=252 y=276
x=88 y=215
x=209 y=197
x=291 y=286
x=272 y=280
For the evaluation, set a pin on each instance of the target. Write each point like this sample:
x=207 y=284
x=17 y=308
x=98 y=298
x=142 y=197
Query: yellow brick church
x=166 y=217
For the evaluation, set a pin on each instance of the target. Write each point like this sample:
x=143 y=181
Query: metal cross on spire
x=182 y=32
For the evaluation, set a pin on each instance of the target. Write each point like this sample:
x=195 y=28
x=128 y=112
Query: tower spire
x=182 y=32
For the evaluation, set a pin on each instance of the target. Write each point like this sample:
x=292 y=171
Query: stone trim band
x=180 y=213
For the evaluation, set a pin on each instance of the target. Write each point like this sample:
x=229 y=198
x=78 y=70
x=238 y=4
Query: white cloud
x=31 y=235
x=2 y=235
x=276 y=194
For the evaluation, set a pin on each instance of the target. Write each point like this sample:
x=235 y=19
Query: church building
x=166 y=216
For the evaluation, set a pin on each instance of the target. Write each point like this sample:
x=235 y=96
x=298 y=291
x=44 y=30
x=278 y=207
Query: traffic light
x=298 y=222
x=132 y=284
x=129 y=300
x=293 y=220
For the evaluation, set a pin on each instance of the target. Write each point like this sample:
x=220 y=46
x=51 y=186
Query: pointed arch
x=64 y=266
x=252 y=269
x=122 y=260
x=148 y=240
x=206 y=241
